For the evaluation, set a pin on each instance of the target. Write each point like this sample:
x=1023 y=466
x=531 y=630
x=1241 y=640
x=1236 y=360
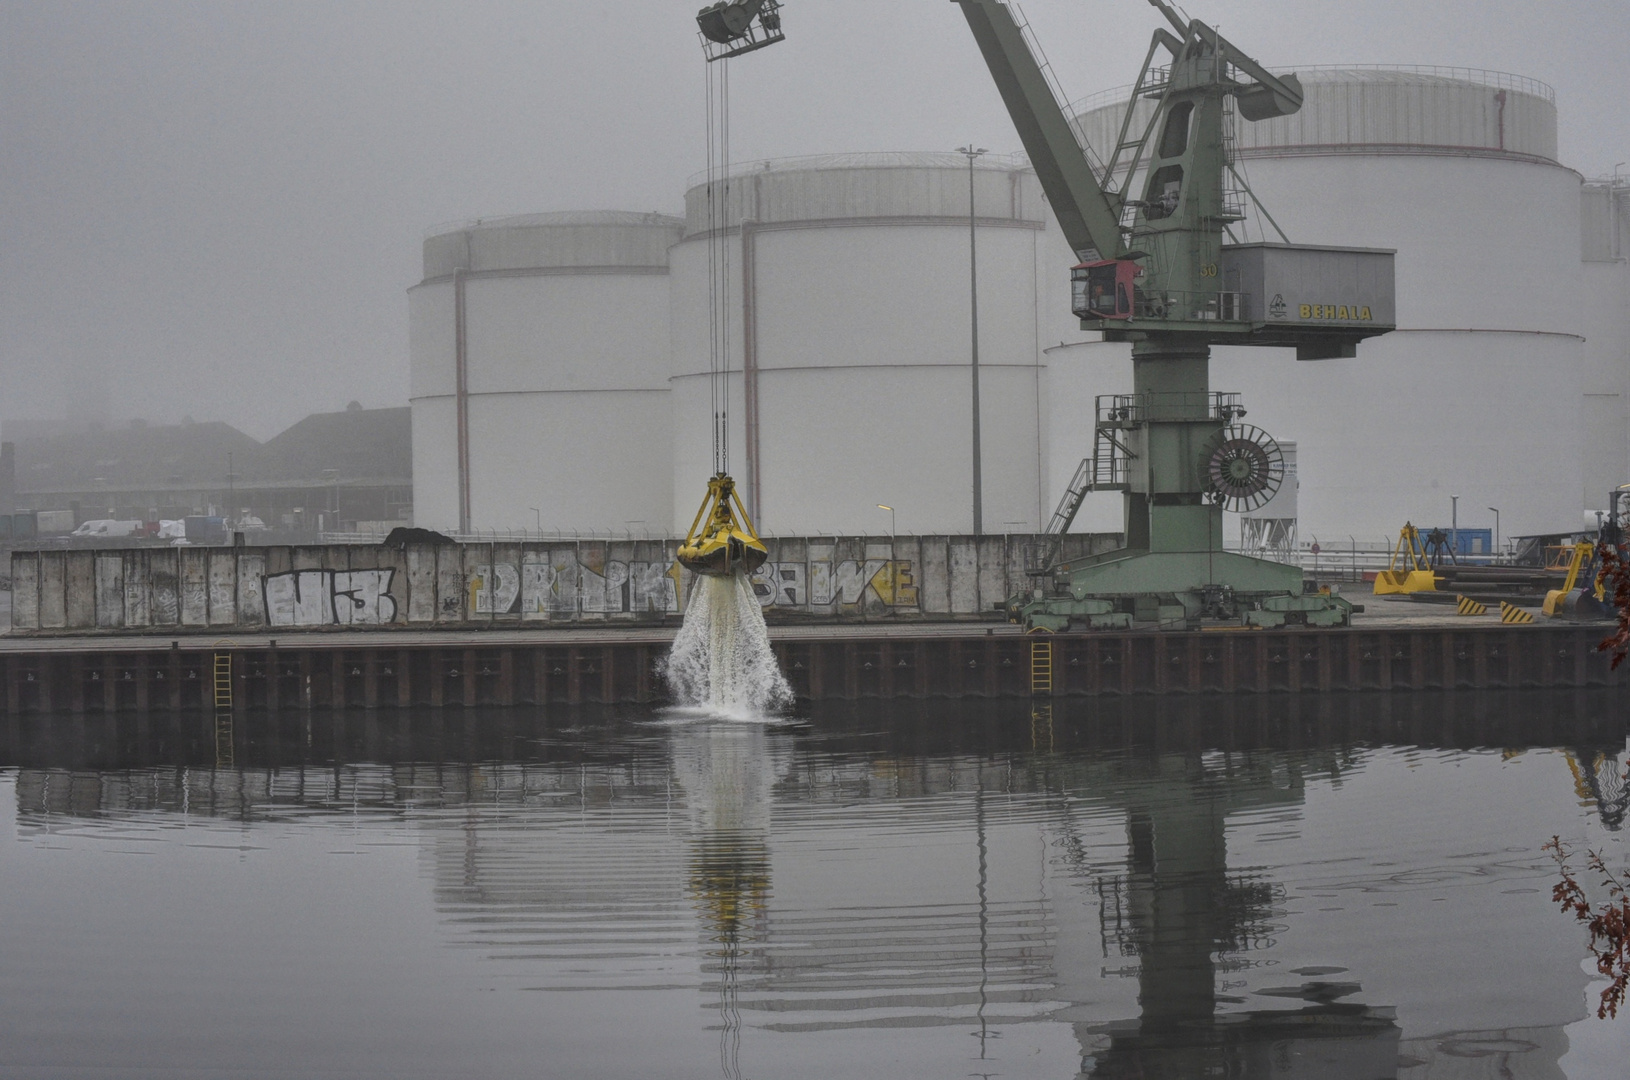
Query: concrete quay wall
x=570 y=668
x=476 y=585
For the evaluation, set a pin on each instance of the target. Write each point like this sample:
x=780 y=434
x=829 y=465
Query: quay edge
x=79 y=675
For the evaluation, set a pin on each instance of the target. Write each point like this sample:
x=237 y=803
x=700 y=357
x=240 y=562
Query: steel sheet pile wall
x=311 y=673
x=350 y=585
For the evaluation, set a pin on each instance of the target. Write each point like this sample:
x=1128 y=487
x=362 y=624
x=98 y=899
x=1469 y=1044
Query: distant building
x=329 y=472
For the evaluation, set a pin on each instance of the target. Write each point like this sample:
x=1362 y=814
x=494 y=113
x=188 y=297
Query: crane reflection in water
x=727 y=771
x=1176 y=912
x=1184 y=919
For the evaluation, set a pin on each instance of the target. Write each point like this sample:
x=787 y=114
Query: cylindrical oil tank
x=539 y=350
x=847 y=339
x=1483 y=391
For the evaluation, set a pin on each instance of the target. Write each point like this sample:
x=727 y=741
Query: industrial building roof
x=355 y=443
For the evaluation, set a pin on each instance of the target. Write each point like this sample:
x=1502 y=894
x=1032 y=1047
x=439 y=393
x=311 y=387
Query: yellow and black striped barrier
x=1511 y=613
x=1467 y=606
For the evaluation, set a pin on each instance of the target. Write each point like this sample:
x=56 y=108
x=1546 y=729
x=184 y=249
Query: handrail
x=1499 y=80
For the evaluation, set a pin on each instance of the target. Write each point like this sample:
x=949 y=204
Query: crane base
x=1176 y=590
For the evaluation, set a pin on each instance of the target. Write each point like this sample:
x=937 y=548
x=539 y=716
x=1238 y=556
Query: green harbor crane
x=1160 y=269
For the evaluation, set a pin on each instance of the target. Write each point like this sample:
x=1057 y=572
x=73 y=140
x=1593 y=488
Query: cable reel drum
x=1242 y=467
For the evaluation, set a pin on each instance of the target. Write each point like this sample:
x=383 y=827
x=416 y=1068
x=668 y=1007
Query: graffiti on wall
x=549 y=584
x=329 y=598
x=560 y=586
x=848 y=583
x=494 y=588
x=562 y=583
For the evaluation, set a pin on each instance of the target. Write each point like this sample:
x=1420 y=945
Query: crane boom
x=1088 y=215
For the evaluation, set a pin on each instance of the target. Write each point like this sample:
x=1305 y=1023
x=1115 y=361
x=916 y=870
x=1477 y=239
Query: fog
x=215 y=209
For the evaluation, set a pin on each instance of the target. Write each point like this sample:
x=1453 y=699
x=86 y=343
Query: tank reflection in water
x=1339 y=887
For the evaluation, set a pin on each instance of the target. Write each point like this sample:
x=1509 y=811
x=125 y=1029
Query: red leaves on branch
x=1608 y=923
x=1615 y=576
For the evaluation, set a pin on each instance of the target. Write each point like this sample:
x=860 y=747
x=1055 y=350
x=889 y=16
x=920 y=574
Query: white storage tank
x=1482 y=392
x=850 y=335
x=539 y=350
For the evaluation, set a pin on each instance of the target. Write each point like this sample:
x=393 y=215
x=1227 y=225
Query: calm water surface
x=1345 y=887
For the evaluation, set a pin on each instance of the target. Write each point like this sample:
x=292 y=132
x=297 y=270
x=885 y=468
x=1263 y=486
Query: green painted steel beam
x=1088 y=216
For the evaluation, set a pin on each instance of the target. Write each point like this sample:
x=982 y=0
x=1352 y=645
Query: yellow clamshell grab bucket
x=1576 y=599
x=720 y=542
x=1408 y=571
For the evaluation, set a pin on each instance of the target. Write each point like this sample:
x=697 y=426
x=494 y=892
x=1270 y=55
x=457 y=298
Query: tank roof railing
x=1500 y=80
x=884 y=159
x=559 y=218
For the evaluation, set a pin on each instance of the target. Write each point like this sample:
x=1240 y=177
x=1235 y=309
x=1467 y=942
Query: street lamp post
x=1613 y=208
x=537 y=516
x=890 y=509
x=1496 y=531
x=1454 y=524
x=973 y=152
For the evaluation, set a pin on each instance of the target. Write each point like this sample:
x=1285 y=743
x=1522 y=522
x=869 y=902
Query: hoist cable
x=718 y=260
x=712 y=277
x=724 y=270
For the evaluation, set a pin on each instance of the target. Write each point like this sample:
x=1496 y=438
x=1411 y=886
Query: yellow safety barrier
x=1465 y=605
x=1511 y=613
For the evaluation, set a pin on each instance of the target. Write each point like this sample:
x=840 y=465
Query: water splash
x=721 y=661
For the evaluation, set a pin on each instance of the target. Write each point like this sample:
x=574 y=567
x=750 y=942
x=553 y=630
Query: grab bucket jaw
x=1408 y=571
x=1392 y=582
x=721 y=540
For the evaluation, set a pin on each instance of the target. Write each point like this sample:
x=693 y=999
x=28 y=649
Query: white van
x=108 y=527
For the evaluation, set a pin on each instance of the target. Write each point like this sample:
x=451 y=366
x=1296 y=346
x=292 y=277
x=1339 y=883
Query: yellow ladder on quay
x=1041 y=664
x=223 y=680
x=223 y=707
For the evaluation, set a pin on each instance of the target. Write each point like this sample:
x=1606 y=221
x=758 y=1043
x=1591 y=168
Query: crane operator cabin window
x=1103 y=290
x=1166 y=182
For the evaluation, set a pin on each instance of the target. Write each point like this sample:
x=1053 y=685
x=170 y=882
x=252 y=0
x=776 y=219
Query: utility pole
x=1613 y=208
x=973 y=153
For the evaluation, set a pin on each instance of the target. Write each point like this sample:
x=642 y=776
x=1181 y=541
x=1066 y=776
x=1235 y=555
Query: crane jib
x=1088 y=216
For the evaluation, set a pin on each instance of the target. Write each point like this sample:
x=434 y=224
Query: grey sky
x=216 y=208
